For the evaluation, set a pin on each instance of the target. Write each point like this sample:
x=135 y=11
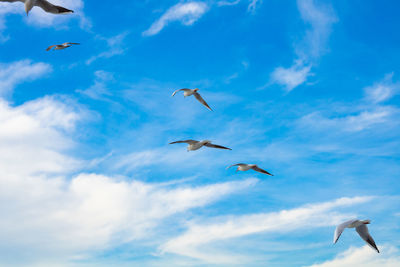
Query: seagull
x=361 y=228
x=61 y=46
x=189 y=92
x=246 y=167
x=195 y=145
x=43 y=4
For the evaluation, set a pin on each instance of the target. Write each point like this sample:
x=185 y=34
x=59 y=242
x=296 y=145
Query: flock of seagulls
x=359 y=225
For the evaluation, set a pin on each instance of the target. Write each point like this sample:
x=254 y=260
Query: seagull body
x=246 y=167
x=61 y=46
x=361 y=228
x=189 y=92
x=195 y=145
x=43 y=4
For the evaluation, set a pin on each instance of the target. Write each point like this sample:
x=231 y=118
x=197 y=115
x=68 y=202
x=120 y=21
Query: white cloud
x=382 y=90
x=14 y=73
x=47 y=201
x=186 y=13
x=31 y=139
x=99 y=90
x=320 y=18
x=291 y=77
x=351 y=123
x=193 y=242
x=115 y=47
x=366 y=257
x=253 y=5
x=228 y=3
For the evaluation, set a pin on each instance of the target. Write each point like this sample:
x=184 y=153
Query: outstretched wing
x=235 y=165
x=184 y=89
x=216 y=146
x=339 y=230
x=364 y=233
x=257 y=169
x=48 y=7
x=184 y=141
x=201 y=100
x=68 y=43
x=50 y=47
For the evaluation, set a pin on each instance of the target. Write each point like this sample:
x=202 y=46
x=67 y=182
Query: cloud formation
x=198 y=236
x=185 y=13
x=14 y=73
x=115 y=46
x=320 y=18
x=366 y=257
x=382 y=90
x=291 y=77
x=71 y=214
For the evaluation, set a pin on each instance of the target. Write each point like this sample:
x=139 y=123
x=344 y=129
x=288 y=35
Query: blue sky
x=307 y=89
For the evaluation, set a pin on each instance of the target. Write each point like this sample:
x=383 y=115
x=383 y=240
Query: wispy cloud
x=115 y=46
x=291 y=77
x=99 y=90
x=253 y=5
x=382 y=90
x=198 y=236
x=228 y=3
x=14 y=73
x=351 y=123
x=185 y=13
x=320 y=18
x=365 y=256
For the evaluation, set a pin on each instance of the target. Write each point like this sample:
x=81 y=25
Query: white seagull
x=361 y=228
x=246 y=167
x=189 y=92
x=43 y=4
x=195 y=145
x=61 y=46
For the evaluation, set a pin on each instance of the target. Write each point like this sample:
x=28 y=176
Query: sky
x=307 y=89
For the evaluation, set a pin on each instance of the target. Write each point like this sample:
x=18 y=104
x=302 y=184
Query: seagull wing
x=339 y=230
x=257 y=169
x=50 y=47
x=69 y=43
x=184 y=89
x=184 y=141
x=201 y=100
x=216 y=146
x=235 y=165
x=48 y=7
x=362 y=230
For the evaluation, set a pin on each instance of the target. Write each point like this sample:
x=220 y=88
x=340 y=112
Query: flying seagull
x=43 y=4
x=361 y=228
x=194 y=145
x=61 y=46
x=246 y=167
x=189 y=92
